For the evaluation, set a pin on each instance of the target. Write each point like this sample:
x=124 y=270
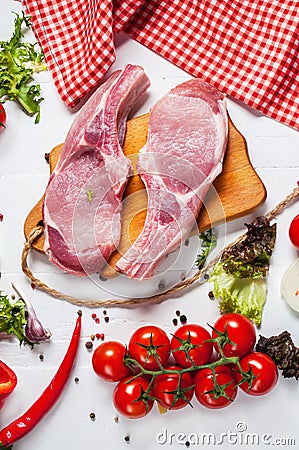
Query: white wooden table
x=274 y=152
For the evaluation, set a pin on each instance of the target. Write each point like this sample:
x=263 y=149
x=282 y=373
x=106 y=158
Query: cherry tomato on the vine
x=189 y=345
x=169 y=392
x=264 y=370
x=240 y=331
x=216 y=396
x=146 y=343
x=2 y=117
x=108 y=361
x=128 y=397
x=294 y=232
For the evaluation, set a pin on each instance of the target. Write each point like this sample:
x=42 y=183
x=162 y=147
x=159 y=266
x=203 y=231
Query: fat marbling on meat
x=83 y=200
x=186 y=143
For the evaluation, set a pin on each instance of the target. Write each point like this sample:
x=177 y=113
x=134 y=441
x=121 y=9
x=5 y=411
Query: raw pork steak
x=187 y=139
x=82 y=204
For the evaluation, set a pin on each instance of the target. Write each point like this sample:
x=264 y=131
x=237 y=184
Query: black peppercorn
x=183 y=318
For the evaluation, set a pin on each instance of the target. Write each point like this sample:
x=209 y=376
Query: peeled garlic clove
x=289 y=287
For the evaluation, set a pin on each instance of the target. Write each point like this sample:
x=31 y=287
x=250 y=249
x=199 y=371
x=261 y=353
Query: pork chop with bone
x=186 y=143
x=83 y=200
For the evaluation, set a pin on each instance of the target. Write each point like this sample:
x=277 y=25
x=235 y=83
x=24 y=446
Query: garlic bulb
x=34 y=330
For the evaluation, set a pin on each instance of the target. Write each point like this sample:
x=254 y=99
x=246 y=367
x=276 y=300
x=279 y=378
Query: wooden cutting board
x=236 y=192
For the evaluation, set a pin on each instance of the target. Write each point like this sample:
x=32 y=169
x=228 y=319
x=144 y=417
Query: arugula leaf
x=12 y=318
x=209 y=241
x=18 y=62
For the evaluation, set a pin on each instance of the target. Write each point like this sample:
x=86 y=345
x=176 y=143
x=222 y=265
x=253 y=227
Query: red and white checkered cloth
x=247 y=49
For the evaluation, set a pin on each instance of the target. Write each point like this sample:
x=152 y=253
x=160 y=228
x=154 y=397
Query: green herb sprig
x=209 y=242
x=18 y=62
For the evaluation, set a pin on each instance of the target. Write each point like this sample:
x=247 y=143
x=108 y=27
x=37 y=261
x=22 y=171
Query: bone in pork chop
x=187 y=139
x=82 y=204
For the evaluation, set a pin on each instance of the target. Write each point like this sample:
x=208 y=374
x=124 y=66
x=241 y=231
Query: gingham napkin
x=247 y=49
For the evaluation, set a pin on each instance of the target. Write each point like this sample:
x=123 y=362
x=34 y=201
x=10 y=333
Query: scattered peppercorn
x=105 y=312
x=41 y=357
x=89 y=345
x=211 y=295
x=127 y=438
x=178 y=312
x=206 y=276
x=32 y=286
x=47 y=157
x=183 y=318
x=92 y=416
x=187 y=443
x=76 y=380
x=106 y=319
x=161 y=286
x=116 y=419
x=175 y=321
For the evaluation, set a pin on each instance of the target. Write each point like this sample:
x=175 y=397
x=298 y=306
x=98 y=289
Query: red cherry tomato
x=222 y=395
x=108 y=361
x=240 y=331
x=127 y=398
x=2 y=117
x=264 y=370
x=294 y=232
x=189 y=345
x=144 y=342
x=166 y=385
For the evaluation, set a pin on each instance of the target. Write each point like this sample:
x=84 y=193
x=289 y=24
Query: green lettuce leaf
x=240 y=278
x=246 y=296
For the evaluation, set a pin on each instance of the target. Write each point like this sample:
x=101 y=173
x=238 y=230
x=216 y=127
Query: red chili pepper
x=8 y=381
x=21 y=426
